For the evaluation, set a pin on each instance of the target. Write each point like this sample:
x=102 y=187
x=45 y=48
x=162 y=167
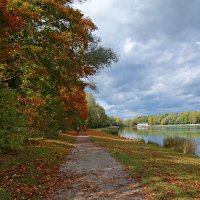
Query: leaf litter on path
x=95 y=174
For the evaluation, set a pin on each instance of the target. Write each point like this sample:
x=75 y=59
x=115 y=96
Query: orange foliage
x=75 y=100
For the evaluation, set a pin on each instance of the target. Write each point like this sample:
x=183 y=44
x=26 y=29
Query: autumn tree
x=96 y=113
x=47 y=51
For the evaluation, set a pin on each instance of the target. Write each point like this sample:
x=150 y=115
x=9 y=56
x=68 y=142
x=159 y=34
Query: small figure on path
x=77 y=130
x=85 y=129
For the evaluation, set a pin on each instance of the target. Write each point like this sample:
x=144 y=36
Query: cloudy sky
x=159 y=46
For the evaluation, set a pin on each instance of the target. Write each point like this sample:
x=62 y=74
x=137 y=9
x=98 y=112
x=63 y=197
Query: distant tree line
x=97 y=117
x=190 y=117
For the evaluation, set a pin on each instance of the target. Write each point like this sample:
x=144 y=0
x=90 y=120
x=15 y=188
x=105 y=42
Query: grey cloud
x=159 y=47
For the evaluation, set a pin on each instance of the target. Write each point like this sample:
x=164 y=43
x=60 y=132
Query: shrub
x=11 y=141
x=11 y=121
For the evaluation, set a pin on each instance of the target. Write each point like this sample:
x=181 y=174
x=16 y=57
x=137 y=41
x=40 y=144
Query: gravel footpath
x=94 y=174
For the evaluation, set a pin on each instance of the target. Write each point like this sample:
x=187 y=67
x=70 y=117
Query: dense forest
x=192 y=117
x=48 y=50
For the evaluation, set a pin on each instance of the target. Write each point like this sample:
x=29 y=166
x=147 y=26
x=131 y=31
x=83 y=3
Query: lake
x=160 y=134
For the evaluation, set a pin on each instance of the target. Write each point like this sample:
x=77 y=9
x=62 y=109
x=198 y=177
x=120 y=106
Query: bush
x=11 y=141
x=11 y=121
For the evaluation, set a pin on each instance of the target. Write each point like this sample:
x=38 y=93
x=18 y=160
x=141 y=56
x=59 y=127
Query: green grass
x=164 y=173
x=32 y=172
x=113 y=131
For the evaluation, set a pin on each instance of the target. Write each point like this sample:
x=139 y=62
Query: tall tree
x=96 y=114
x=44 y=57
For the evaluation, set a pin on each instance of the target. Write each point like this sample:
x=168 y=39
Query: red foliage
x=13 y=20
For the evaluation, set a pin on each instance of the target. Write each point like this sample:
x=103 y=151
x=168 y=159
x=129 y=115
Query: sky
x=158 y=43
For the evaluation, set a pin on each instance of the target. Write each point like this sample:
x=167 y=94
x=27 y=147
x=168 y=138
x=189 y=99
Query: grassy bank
x=164 y=173
x=32 y=172
x=110 y=130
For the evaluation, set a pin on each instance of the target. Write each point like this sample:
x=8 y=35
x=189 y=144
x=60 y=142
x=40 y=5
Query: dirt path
x=94 y=174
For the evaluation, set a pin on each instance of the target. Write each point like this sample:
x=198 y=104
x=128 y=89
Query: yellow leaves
x=34 y=48
x=24 y=8
x=62 y=37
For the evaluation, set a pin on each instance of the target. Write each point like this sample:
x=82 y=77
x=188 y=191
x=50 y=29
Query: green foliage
x=10 y=113
x=12 y=121
x=11 y=141
x=54 y=117
x=98 y=56
x=96 y=114
x=114 y=121
x=97 y=117
x=184 y=117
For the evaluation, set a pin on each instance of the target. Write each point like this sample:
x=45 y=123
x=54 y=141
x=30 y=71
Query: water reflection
x=186 y=138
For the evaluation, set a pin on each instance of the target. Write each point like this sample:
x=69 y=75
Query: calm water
x=158 y=134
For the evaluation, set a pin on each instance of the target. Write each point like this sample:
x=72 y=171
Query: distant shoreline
x=178 y=125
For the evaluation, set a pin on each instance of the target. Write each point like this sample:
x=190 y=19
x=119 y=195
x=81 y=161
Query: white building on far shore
x=142 y=125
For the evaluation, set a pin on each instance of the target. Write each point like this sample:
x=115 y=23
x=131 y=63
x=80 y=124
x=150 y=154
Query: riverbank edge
x=164 y=173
